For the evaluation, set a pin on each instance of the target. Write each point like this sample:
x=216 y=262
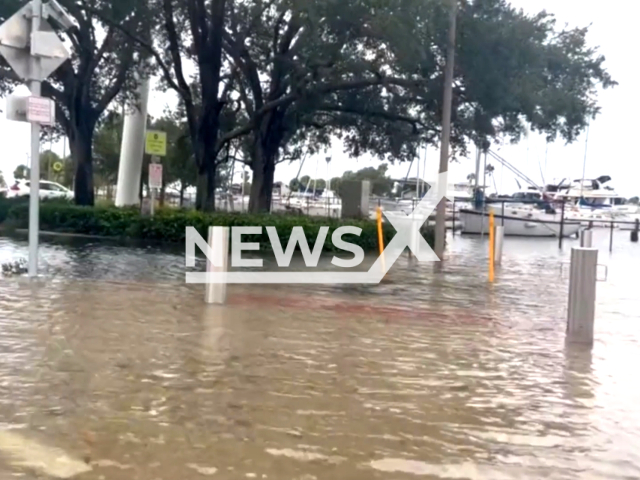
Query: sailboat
x=519 y=216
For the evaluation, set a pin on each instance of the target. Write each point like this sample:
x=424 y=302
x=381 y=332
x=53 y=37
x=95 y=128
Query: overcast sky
x=607 y=153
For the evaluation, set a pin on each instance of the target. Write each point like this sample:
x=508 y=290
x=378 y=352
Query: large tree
x=189 y=33
x=101 y=66
x=372 y=73
x=291 y=74
x=310 y=70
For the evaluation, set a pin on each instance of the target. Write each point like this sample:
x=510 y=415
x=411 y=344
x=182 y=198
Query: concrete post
x=582 y=295
x=586 y=238
x=219 y=242
x=132 y=150
x=499 y=244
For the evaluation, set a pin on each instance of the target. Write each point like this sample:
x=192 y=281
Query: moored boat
x=520 y=222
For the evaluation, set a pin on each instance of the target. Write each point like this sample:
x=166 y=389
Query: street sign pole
x=34 y=198
x=33 y=50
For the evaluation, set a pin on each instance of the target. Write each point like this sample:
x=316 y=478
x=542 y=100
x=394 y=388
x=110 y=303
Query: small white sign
x=41 y=110
x=155 y=175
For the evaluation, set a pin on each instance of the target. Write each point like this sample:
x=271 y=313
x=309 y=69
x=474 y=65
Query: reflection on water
x=115 y=361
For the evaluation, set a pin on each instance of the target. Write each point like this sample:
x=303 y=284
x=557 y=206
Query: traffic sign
x=57 y=167
x=156 y=143
x=15 y=39
x=155 y=175
x=41 y=110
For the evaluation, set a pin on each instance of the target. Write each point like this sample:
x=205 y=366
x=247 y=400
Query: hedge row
x=169 y=224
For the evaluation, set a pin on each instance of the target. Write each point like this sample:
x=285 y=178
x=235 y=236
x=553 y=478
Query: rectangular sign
x=155 y=175
x=41 y=110
x=156 y=143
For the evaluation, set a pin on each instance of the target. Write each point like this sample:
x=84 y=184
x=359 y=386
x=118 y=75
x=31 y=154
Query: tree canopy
x=101 y=67
x=274 y=79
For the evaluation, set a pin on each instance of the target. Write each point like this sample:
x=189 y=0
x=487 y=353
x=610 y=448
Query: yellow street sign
x=57 y=167
x=156 y=143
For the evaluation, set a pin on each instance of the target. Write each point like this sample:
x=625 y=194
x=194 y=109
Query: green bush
x=169 y=224
x=7 y=204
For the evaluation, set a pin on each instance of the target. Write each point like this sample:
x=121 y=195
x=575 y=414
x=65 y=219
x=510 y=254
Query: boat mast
x=477 y=178
x=584 y=163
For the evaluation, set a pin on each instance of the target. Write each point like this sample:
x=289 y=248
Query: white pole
x=586 y=238
x=219 y=242
x=441 y=231
x=34 y=197
x=582 y=295
x=499 y=239
x=132 y=150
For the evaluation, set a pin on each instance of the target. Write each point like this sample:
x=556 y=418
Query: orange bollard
x=380 y=237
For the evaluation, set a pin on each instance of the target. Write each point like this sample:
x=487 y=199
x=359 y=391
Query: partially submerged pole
x=582 y=295
x=491 y=247
x=586 y=238
x=634 y=233
x=219 y=242
x=35 y=85
x=499 y=242
x=446 y=128
x=611 y=236
x=561 y=236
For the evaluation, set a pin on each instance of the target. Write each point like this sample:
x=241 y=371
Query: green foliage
x=169 y=224
x=3 y=183
x=100 y=68
x=381 y=185
x=21 y=172
x=634 y=200
x=178 y=165
x=47 y=160
x=106 y=149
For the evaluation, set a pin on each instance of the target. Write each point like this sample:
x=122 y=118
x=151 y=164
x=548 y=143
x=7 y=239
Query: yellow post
x=491 y=246
x=380 y=237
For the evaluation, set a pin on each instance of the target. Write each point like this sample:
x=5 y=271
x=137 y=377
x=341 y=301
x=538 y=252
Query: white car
x=48 y=189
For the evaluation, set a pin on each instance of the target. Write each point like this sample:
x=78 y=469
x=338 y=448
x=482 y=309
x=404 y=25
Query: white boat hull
x=477 y=222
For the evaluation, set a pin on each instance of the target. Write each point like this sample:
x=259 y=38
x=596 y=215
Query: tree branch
x=166 y=71
x=174 y=50
x=99 y=55
x=371 y=113
x=242 y=58
x=115 y=88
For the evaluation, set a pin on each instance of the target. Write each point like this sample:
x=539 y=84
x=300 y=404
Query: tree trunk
x=206 y=186
x=181 y=194
x=266 y=147
x=264 y=168
x=206 y=190
x=80 y=144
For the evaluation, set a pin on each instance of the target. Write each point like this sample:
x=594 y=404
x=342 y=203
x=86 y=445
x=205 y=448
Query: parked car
x=48 y=189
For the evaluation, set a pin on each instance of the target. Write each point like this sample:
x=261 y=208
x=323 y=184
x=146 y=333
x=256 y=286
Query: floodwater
x=112 y=368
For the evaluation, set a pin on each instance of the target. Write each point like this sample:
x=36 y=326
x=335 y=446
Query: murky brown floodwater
x=117 y=362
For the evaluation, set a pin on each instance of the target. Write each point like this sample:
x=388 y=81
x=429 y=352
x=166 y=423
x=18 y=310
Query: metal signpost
x=156 y=145
x=33 y=50
x=155 y=180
